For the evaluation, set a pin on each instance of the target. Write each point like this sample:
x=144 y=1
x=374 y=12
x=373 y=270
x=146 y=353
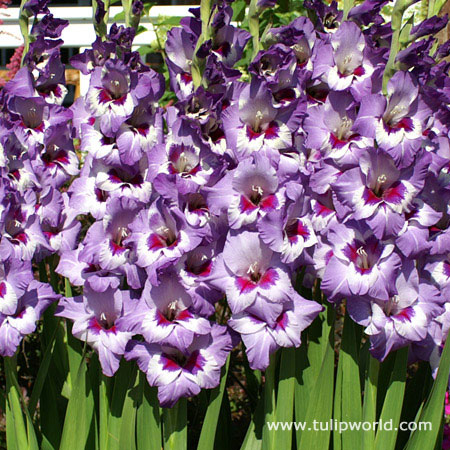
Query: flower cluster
x=36 y=159
x=233 y=190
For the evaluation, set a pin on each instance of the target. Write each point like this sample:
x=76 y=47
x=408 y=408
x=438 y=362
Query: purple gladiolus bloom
x=329 y=128
x=49 y=26
x=252 y=123
x=22 y=301
x=300 y=36
x=290 y=231
x=166 y=315
x=403 y=317
x=343 y=63
x=183 y=373
x=95 y=316
x=113 y=94
x=193 y=270
x=247 y=193
x=380 y=192
x=180 y=47
x=252 y=276
x=262 y=339
x=160 y=235
x=58 y=222
x=181 y=167
x=15 y=276
x=361 y=263
x=395 y=122
x=121 y=181
x=21 y=233
x=105 y=244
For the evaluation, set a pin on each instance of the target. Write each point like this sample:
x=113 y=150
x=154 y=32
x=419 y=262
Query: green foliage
x=331 y=378
x=301 y=384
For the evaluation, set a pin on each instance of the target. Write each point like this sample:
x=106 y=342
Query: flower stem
x=101 y=28
x=253 y=24
x=198 y=64
x=348 y=5
x=396 y=24
x=24 y=23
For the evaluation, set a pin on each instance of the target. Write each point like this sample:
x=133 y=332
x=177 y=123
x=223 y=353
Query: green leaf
x=405 y=37
x=16 y=431
x=384 y=378
x=124 y=379
x=434 y=407
x=103 y=401
x=350 y=387
x=149 y=425
x=223 y=440
x=418 y=387
x=17 y=406
x=210 y=423
x=268 y=441
x=285 y=398
x=370 y=401
x=337 y=407
x=119 y=17
x=41 y=375
x=309 y=358
x=253 y=379
x=167 y=21
x=239 y=10
x=175 y=426
x=253 y=437
x=79 y=412
x=392 y=407
x=51 y=408
x=127 y=437
x=438 y=5
x=319 y=408
x=46 y=445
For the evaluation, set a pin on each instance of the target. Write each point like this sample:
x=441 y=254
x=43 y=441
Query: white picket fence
x=80 y=32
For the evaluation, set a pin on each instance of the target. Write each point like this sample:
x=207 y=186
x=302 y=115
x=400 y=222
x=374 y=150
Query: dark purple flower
x=49 y=27
x=21 y=235
x=105 y=243
x=428 y=26
x=35 y=7
x=112 y=94
x=343 y=63
x=180 y=47
x=252 y=124
x=100 y=52
x=100 y=11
